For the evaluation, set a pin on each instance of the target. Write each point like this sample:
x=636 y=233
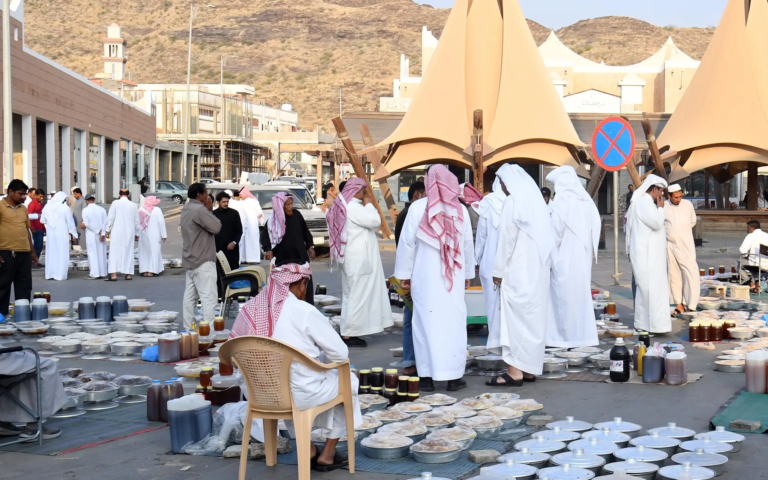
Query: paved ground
x=144 y=456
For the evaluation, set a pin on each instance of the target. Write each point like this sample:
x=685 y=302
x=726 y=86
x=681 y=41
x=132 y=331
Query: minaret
x=114 y=53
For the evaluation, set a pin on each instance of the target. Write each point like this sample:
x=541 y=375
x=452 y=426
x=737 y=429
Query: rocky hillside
x=296 y=51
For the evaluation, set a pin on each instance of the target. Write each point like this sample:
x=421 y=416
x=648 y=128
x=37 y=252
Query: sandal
x=530 y=379
x=509 y=381
x=110 y=279
x=338 y=462
x=128 y=277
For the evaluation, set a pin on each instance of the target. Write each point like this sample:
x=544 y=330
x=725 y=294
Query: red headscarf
x=470 y=196
x=276 y=223
x=337 y=218
x=146 y=210
x=260 y=314
x=442 y=223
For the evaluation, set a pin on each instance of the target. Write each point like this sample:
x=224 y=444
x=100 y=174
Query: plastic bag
x=97 y=377
x=70 y=372
x=227 y=430
x=150 y=354
x=98 y=386
x=131 y=380
x=240 y=284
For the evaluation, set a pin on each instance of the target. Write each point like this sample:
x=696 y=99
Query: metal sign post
x=613 y=145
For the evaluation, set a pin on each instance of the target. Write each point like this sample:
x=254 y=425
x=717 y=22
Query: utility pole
x=7 y=98
x=223 y=160
x=186 y=107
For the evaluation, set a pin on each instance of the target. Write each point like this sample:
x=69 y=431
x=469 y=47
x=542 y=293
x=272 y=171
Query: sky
x=556 y=14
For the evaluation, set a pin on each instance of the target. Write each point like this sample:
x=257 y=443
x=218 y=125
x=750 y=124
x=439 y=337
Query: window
x=113 y=50
x=16 y=34
x=206 y=112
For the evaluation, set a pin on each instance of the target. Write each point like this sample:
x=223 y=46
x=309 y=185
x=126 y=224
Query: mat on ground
x=746 y=406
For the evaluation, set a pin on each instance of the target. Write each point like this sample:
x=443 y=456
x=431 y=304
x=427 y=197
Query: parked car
x=173 y=191
x=206 y=181
x=299 y=189
x=315 y=219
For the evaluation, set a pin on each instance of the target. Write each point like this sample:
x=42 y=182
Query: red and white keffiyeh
x=443 y=221
x=245 y=193
x=470 y=196
x=337 y=218
x=276 y=223
x=260 y=314
x=145 y=211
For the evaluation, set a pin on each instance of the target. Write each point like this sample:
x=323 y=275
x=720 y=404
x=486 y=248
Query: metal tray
x=125 y=350
x=553 y=365
x=74 y=401
x=65 y=330
x=158 y=327
x=102 y=329
x=134 y=390
x=385 y=453
x=441 y=457
x=100 y=396
x=66 y=348
x=128 y=327
x=730 y=368
x=103 y=347
x=487 y=432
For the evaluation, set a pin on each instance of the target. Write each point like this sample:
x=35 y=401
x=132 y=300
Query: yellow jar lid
x=377 y=370
x=391 y=371
x=413 y=379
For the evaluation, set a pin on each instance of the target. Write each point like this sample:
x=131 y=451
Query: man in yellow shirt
x=17 y=253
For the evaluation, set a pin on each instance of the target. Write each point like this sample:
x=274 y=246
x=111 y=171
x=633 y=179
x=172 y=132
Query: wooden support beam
x=477 y=133
x=598 y=174
x=633 y=173
x=373 y=155
x=319 y=187
x=752 y=187
x=341 y=131
x=651 y=139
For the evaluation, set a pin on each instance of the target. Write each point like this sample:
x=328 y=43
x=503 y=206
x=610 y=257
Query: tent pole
x=341 y=131
x=752 y=186
x=477 y=133
x=651 y=139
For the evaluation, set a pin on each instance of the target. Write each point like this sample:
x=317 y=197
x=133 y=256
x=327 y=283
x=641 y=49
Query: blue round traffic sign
x=613 y=143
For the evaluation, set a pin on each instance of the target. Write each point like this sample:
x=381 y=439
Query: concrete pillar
x=101 y=190
x=83 y=180
x=116 y=169
x=129 y=180
x=152 y=169
x=26 y=150
x=65 y=138
x=50 y=154
x=141 y=162
x=319 y=188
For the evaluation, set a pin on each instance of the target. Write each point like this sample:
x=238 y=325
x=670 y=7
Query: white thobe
x=123 y=226
x=679 y=221
x=95 y=220
x=150 y=243
x=485 y=254
x=303 y=327
x=365 y=306
x=648 y=255
x=57 y=241
x=252 y=218
x=53 y=395
x=439 y=315
x=524 y=295
x=571 y=316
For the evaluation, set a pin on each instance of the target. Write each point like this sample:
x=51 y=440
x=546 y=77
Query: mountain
x=297 y=51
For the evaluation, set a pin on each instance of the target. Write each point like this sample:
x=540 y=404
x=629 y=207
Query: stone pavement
x=145 y=456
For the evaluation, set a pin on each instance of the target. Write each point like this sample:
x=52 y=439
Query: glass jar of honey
x=704 y=335
x=364 y=390
x=402 y=384
x=37 y=295
x=722 y=269
x=47 y=296
x=218 y=324
x=402 y=397
x=412 y=397
x=226 y=370
x=204 y=329
x=716 y=332
x=694 y=332
x=733 y=269
x=413 y=385
x=205 y=376
x=391 y=395
x=365 y=378
x=377 y=391
x=377 y=377
x=391 y=379
x=702 y=273
x=729 y=324
x=711 y=271
x=610 y=309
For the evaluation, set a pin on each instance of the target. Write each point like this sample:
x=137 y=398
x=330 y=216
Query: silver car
x=172 y=191
x=315 y=220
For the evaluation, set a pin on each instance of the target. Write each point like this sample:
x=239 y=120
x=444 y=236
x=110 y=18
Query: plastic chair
x=9 y=382
x=253 y=274
x=266 y=367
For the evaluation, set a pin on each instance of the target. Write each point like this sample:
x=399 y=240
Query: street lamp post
x=186 y=107
x=223 y=159
x=7 y=99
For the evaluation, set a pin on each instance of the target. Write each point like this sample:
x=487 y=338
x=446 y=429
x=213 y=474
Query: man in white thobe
x=59 y=225
x=647 y=248
x=353 y=223
x=679 y=220
x=122 y=231
x=252 y=217
x=485 y=255
x=435 y=259
x=522 y=272
x=152 y=234
x=281 y=312
x=576 y=226
x=95 y=226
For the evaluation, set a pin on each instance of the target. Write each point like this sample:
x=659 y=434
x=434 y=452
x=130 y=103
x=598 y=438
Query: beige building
x=654 y=85
x=69 y=131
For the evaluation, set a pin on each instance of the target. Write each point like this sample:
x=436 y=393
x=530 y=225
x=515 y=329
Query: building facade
x=69 y=131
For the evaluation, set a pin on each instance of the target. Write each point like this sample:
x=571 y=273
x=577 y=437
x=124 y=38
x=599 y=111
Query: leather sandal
x=508 y=381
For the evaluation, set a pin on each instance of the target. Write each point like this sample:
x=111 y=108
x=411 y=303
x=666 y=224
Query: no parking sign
x=613 y=143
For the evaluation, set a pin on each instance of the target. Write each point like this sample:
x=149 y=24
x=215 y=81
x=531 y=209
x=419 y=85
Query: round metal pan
x=100 y=396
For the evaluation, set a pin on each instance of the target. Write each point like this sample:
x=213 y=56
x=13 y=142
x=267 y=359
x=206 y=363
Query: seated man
x=750 y=252
x=280 y=312
x=53 y=395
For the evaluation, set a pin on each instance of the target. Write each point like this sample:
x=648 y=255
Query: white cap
x=674 y=188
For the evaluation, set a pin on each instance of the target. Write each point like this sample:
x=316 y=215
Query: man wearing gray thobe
x=77 y=212
x=52 y=393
